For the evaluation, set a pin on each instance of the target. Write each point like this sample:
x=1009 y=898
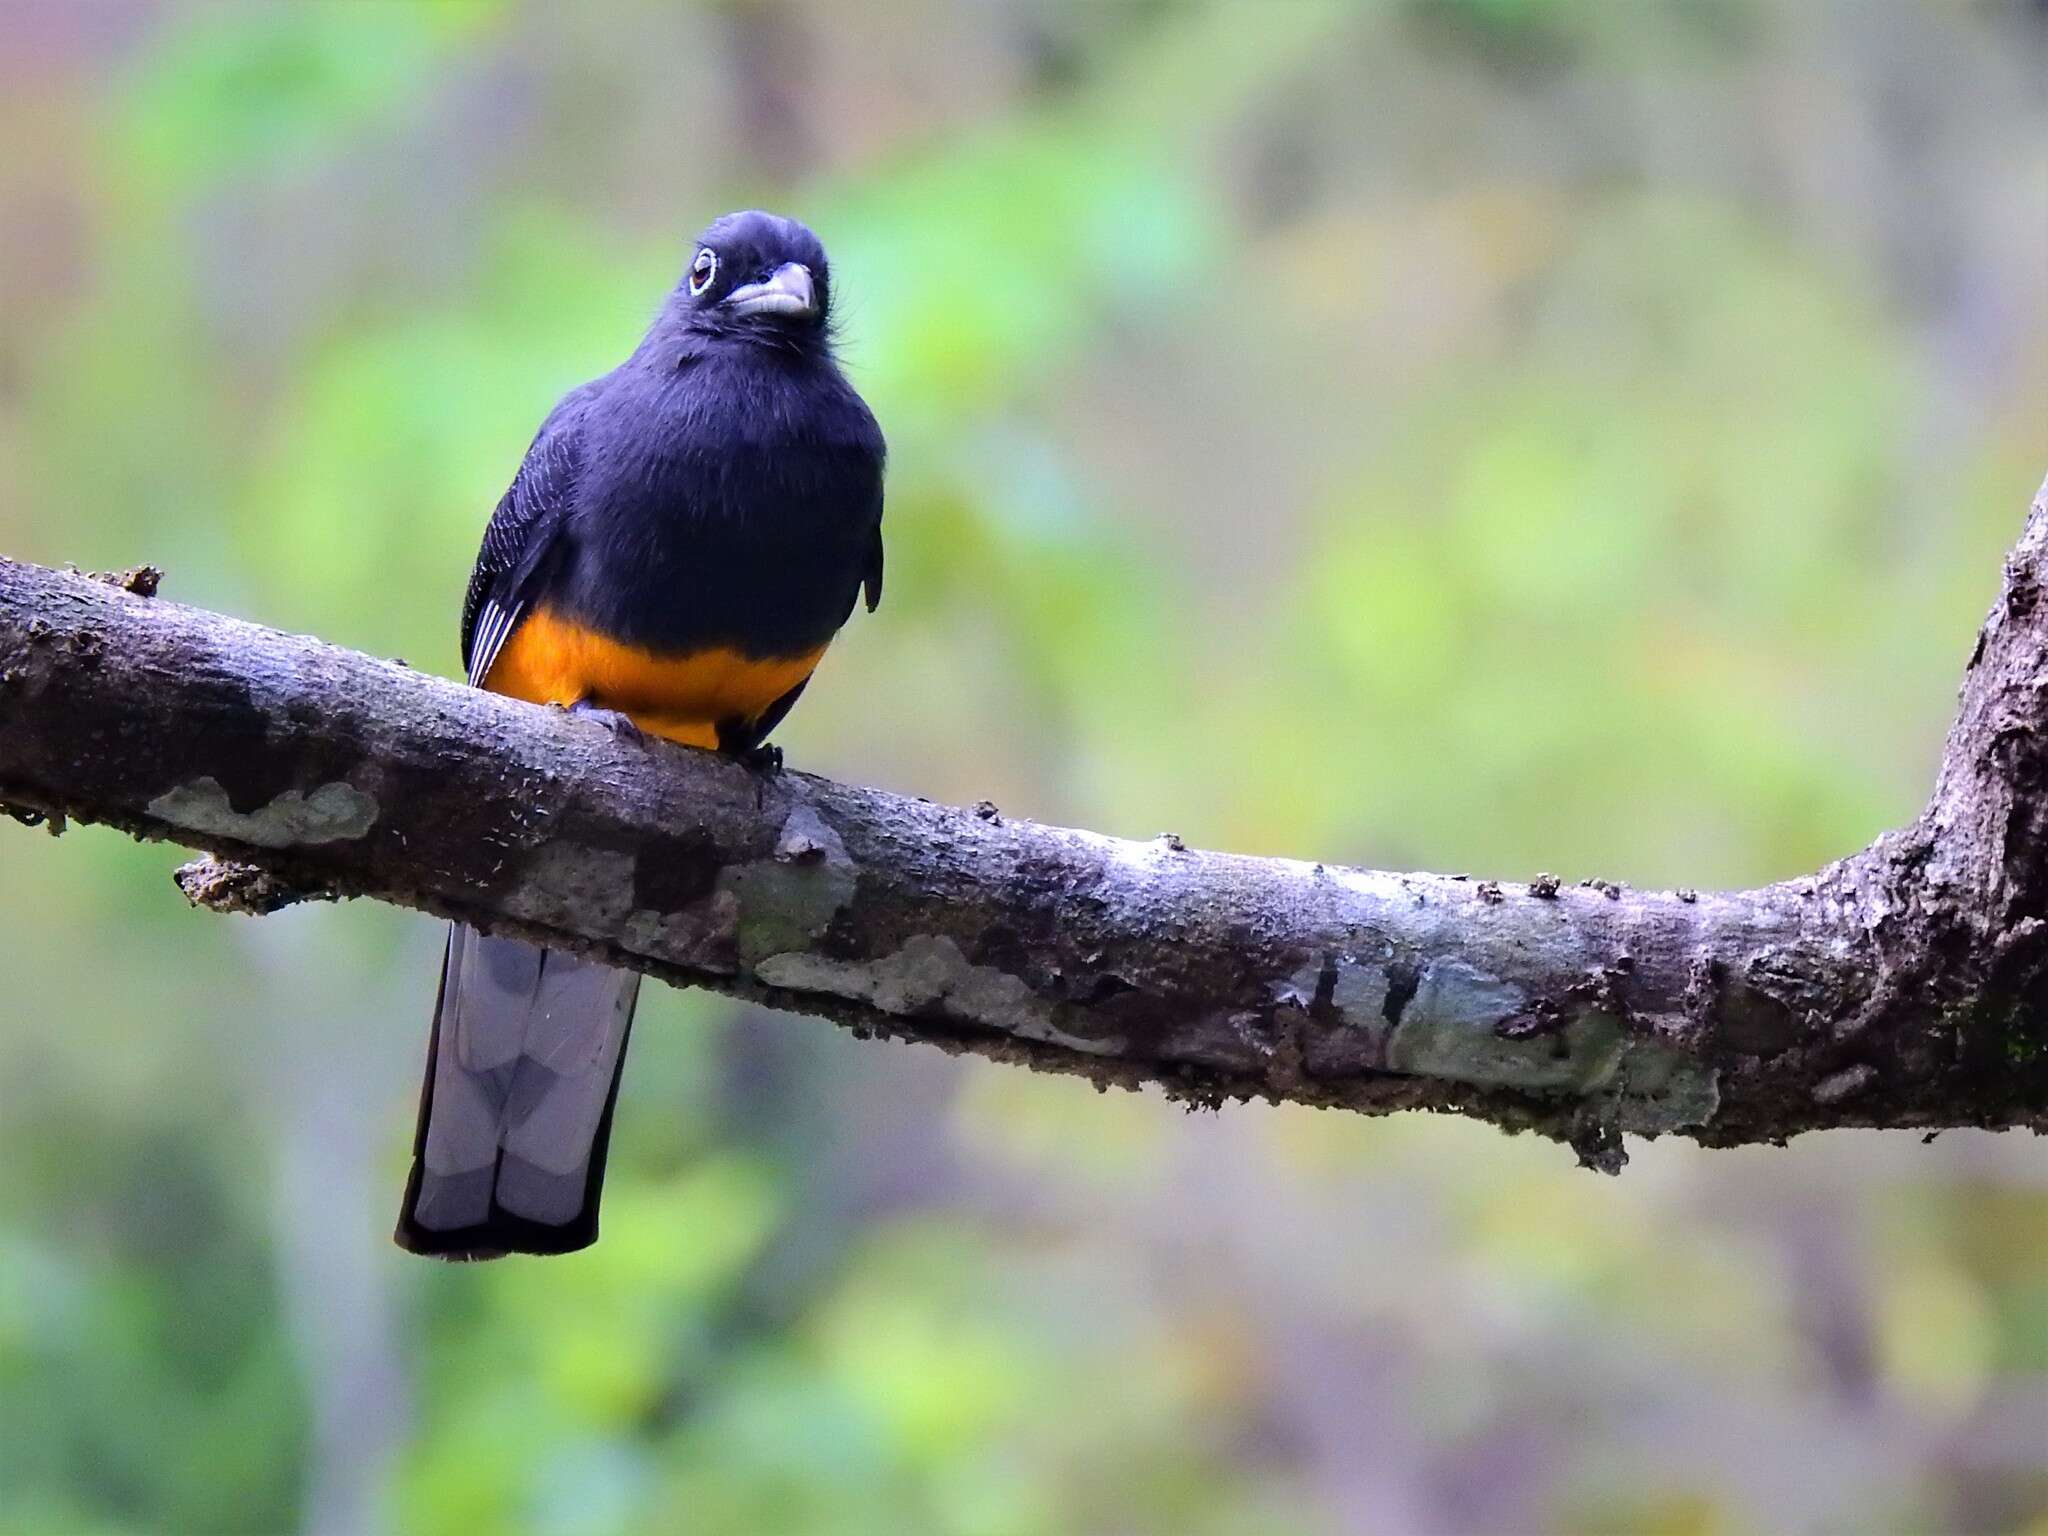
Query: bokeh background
x=1482 y=435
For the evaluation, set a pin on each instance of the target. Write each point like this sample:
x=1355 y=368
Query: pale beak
x=788 y=291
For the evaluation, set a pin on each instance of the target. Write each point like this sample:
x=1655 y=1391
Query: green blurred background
x=1489 y=436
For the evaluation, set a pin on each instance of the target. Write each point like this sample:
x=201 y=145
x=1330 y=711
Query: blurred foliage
x=1489 y=434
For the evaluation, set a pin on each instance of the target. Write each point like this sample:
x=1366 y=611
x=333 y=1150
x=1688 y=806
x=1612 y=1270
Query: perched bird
x=684 y=539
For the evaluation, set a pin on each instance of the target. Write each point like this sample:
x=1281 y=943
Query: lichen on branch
x=1902 y=986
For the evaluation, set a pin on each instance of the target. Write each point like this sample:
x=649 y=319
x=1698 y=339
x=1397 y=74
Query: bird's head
x=755 y=276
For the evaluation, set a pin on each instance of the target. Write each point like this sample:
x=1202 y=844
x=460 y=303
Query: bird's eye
x=703 y=270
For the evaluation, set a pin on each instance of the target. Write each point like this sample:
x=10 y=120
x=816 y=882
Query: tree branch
x=1906 y=986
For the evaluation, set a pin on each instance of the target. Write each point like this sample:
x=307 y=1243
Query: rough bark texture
x=1906 y=986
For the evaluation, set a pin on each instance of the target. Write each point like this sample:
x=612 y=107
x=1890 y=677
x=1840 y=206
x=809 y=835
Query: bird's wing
x=871 y=572
x=522 y=537
x=871 y=566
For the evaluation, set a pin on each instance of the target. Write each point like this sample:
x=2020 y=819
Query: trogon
x=684 y=538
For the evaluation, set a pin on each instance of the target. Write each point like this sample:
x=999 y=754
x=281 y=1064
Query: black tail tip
x=498 y=1236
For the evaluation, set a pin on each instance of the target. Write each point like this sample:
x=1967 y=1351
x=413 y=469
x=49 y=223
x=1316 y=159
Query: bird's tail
x=516 y=1113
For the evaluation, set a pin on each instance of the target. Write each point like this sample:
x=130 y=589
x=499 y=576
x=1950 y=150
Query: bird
x=683 y=540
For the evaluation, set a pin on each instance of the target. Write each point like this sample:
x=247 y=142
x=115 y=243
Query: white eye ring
x=703 y=270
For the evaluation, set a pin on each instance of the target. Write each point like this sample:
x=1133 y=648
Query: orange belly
x=553 y=660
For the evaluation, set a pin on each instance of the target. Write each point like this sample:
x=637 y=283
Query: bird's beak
x=788 y=291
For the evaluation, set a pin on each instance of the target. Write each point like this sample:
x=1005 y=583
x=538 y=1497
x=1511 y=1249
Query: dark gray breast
x=729 y=502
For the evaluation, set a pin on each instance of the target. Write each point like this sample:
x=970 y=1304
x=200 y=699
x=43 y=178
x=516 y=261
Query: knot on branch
x=142 y=580
x=221 y=885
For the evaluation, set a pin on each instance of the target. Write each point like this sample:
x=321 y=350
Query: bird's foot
x=763 y=759
x=620 y=725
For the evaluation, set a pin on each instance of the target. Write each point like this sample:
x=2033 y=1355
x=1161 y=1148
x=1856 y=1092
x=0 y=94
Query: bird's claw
x=763 y=759
x=619 y=724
